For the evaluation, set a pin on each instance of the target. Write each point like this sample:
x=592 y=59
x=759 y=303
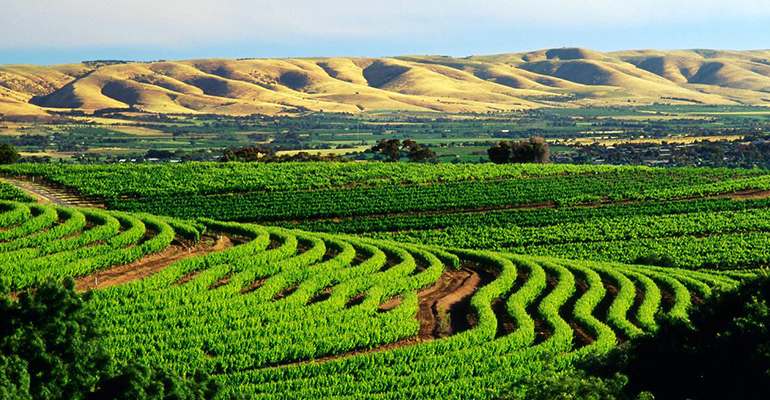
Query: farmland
x=231 y=191
x=456 y=138
x=254 y=314
x=248 y=200
x=383 y=280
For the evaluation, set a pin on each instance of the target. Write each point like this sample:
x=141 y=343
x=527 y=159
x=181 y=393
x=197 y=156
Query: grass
x=418 y=85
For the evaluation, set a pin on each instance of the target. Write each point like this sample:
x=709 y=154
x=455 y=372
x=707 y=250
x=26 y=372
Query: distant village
x=749 y=152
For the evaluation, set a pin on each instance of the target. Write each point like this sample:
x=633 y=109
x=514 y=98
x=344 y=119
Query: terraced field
x=282 y=313
x=52 y=242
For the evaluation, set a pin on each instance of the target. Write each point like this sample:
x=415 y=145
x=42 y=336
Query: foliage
x=267 y=154
x=418 y=152
x=10 y=192
x=574 y=384
x=9 y=154
x=52 y=349
x=140 y=382
x=252 y=314
x=248 y=154
x=390 y=148
x=750 y=151
x=110 y=181
x=394 y=149
x=55 y=337
x=533 y=150
x=722 y=352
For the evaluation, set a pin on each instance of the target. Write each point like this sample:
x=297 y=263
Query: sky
x=58 y=31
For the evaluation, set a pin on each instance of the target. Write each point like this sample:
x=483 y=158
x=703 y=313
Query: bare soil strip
x=581 y=336
x=450 y=295
x=48 y=193
x=505 y=324
x=603 y=308
x=152 y=264
x=666 y=300
x=749 y=194
x=638 y=300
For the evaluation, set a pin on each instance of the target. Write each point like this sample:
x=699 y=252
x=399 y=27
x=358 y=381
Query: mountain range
x=563 y=77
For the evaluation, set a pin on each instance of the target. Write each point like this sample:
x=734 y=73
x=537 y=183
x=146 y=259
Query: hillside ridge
x=562 y=77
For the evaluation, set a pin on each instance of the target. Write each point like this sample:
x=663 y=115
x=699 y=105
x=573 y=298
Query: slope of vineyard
x=10 y=192
x=680 y=217
x=381 y=319
x=260 y=192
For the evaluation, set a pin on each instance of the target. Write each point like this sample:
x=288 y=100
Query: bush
x=51 y=349
x=574 y=384
x=139 y=382
x=723 y=352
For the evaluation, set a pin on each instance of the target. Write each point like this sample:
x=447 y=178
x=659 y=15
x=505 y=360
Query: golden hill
x=563 y=77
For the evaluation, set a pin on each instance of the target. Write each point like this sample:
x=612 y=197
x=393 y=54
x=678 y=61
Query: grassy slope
x=414 y=83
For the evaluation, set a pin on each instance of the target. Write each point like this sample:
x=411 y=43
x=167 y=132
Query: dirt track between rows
x=45 y=193
x=449 y=296
x=151 y=264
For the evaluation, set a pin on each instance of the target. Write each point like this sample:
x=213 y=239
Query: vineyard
x=256 y=313
x=356 y=286
x=298 y=191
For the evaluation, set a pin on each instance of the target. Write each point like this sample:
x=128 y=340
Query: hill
x=562 y=77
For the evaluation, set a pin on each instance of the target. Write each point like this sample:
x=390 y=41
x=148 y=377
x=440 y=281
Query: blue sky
x=55 y=31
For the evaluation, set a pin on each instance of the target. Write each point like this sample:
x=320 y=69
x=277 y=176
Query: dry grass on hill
x=555 y=77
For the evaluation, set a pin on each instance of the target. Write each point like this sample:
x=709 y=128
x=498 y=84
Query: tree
x=139 y=382
x=8 y=154
x=248 y=154
x=573 y=384
x=55 y=337
x=390 y=148
x=723 y=352
x=532 y=150
x=418 y=152
x=267 y=155
x=160 y=154
x=500 y=153
x=51 y=349
x=394 y=149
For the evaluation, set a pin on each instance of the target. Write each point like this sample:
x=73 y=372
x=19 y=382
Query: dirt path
x=749 y=194
x=151 y=264
x=439 y=305
x=450 y=295
x=580 y=335
x=46 y=193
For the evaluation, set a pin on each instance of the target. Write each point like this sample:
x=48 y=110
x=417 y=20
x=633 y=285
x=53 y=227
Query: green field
x=384 y=280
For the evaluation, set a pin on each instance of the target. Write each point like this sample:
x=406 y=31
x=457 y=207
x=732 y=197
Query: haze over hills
x=564 y=77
